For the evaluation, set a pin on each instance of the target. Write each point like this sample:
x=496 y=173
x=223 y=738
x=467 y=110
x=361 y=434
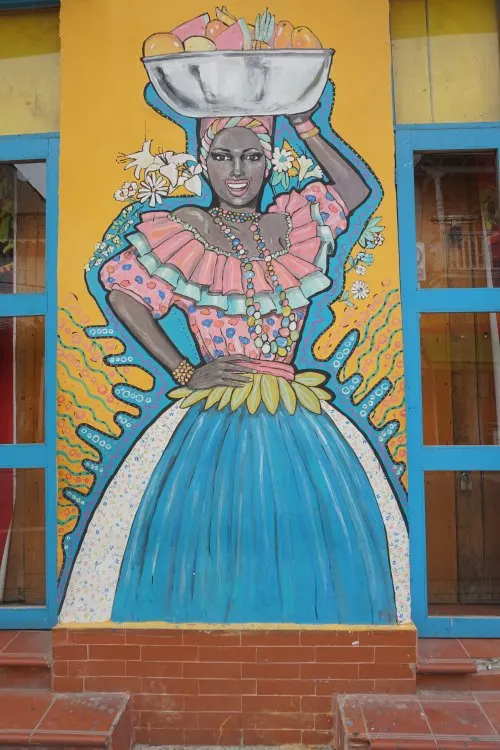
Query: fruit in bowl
x=226 y=32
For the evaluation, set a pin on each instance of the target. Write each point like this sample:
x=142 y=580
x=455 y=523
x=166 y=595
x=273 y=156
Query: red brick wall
x=228 y=687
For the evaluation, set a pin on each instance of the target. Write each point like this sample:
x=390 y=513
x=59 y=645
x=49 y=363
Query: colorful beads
x=283 y=338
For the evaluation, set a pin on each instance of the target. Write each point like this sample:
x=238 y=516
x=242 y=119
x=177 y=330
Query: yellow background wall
x=29 y=72
x=446 y=60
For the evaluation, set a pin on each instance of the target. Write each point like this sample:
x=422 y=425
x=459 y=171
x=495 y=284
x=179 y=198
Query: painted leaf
x=225 y=398
x=240 y=394
x=214 y=396
x=321 y=393
x=287 y=395
x=179 y=393
x=310 y=378
x=253 y=400
x=307 y=398
x=270 y=393
x=194 y=397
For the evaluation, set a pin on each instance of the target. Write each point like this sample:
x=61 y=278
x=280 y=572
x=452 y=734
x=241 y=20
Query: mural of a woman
x=258 y=508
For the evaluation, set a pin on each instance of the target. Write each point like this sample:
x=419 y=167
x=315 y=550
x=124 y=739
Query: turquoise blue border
x=28 y=4
x=414 y=302
x=25 y=148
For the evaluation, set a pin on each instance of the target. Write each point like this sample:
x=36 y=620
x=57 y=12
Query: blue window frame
x=415 y=301
x=28 y=4
x=18 y=149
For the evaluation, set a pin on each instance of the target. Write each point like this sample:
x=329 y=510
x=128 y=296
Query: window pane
x=460 y=378
x=457 y=219
x=22 y=227
x=22 y=382
x=445 y=60
x=22 y=536
x=463 y=553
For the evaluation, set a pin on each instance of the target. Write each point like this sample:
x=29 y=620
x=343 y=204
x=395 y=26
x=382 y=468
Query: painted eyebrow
x=245 y=150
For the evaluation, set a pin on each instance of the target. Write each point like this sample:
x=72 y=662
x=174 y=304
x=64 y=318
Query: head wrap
x=261 y=126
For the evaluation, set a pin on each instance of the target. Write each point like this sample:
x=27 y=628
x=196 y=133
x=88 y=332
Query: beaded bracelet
x=306 y=129
x=183 y=372
x=309 y=133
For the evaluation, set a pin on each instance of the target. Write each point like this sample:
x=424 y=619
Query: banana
x=224 y=16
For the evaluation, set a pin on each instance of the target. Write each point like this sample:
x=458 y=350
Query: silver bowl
x=238 y=83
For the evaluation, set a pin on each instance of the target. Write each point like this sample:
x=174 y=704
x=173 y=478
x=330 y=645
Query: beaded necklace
x=279 y=345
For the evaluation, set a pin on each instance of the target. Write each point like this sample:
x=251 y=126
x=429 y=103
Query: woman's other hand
x=232 y=371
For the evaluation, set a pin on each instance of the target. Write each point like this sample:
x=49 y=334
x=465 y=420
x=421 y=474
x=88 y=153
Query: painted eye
x=254 y=157
x=217 y=156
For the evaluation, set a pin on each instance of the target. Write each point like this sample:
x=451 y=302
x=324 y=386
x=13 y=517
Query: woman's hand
x=302 y=116
x=224 y=371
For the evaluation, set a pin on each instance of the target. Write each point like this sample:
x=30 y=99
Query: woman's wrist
x=183 y=373
x=306 y=129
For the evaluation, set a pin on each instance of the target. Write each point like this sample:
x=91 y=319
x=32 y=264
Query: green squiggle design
x=379 y=328
x=91 y=395
x=374 y=372
x=80 y=406
x=87 y=363
x=62 y=452
x=391 y=408
x=96 y=342
x=80 y=447
x=61 y=522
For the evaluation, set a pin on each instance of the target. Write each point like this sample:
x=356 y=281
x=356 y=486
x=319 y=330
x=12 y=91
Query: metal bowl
x=237 y=83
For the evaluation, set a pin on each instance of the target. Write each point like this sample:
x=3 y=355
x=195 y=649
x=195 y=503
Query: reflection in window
x=460 y=359
x=457 y=219
x=463 y=553
x=22 y=227
x=22 y=382
x=22 y=536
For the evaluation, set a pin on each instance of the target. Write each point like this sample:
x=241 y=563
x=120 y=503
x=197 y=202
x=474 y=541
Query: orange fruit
x=283 y=35
x=303 y=38
x=162 y=44
x=198 y=44
x=214 y=28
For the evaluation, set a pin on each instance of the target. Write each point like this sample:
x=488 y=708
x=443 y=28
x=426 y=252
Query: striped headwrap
x=261 y=126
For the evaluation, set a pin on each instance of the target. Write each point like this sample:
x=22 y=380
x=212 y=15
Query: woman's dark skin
x=236 y=171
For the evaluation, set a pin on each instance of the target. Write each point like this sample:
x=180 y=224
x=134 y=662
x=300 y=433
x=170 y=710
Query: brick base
x=232 y=687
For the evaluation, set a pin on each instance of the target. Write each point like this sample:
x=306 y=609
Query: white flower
x=190 y=178
x=153 y=190
x=379 y=240
x=127 y=190
x=360 y=290
x=305 y=171
x=282 y=159
x=171 y=167
x=360 y=269
x=140 y=160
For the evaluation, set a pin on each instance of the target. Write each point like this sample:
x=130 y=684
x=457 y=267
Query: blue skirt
x=257 y=518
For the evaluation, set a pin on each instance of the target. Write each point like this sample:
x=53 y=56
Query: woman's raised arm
x=347 y=181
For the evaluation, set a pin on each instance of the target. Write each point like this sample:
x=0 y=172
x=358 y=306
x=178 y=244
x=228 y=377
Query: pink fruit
x=195 y=27
x=236 y=36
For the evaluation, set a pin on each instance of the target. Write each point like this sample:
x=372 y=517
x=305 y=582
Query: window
x=449 y=229
x=28 y=303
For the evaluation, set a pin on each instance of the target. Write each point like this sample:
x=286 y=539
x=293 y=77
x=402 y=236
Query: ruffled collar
x=176 y=252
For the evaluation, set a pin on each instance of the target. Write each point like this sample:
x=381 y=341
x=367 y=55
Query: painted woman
x=251 y=498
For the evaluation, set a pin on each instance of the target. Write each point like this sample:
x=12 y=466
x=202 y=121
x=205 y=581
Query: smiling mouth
x=237 y=187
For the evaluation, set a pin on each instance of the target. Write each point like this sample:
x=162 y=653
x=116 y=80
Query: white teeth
x=237 y=185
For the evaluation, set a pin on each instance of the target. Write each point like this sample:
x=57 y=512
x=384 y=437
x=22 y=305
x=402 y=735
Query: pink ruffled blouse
x=169 y=263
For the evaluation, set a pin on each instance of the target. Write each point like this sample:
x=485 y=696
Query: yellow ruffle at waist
x=271 y=390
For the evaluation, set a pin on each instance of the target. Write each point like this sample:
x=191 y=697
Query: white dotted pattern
x=94 y=578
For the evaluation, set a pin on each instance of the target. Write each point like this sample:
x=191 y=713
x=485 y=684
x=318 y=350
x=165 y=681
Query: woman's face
x=236 y=166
